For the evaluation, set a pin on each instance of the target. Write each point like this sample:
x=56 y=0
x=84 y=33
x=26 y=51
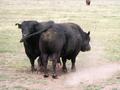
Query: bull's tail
x=36 y=33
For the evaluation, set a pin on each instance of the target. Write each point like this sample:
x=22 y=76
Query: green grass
x=13 y=88
x=18 y=88
x=101 y=19
x=93 y=87
x=4 y=77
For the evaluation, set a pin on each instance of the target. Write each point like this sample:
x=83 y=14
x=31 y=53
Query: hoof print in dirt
x=45 y=76
x=54 y=76
x=118 y=77
x=73 y=70
x=40 y=70
x=33 y=70
x=65 y=70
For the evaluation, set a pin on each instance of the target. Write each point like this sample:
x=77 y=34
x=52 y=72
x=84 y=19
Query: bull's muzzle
x=89 y=48
x=23 y=38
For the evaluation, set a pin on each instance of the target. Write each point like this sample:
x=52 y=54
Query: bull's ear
x=19 y=25
x=88 y=33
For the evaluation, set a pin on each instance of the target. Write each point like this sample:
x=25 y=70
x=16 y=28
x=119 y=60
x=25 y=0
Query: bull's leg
x=56 y=58
x=58 y=63
x=54 y=68
x=64 y=65
x=45 y=62
x=32 y=65
x=73 y=68
x=40 y=64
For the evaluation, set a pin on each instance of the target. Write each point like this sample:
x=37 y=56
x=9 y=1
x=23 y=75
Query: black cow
x=65 y=40
x=51 y=44
x=31 y=44
x=76 y=40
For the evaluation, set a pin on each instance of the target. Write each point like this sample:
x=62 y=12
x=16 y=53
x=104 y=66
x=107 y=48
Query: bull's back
x=73 y=37
x=52 y=40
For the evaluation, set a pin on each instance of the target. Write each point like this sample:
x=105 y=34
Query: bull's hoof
x=33 y=70
x=54 y=76
x=64 y=70
x=46 y=75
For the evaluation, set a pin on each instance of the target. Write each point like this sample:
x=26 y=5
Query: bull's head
x=27 y=28
x=30 y=28
x=85 y=44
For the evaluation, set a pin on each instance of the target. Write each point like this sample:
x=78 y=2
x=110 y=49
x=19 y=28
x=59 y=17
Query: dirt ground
x=93 y=73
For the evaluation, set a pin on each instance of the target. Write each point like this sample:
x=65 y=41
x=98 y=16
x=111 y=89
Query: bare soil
x=91 y=70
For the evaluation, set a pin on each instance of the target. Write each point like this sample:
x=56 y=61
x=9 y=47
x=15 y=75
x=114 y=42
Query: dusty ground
x=92 y=70
x=98 y=69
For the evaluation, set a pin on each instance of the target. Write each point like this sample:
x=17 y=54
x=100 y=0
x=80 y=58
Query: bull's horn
x=21 y=40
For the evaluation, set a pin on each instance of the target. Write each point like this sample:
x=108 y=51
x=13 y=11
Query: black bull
x=65 y=40
x=31 y=42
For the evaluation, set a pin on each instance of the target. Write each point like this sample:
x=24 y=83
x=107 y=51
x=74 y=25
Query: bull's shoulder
x=46 y=23
x=29 y=22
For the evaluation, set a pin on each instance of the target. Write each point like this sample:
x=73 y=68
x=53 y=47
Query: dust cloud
x=92 y=75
